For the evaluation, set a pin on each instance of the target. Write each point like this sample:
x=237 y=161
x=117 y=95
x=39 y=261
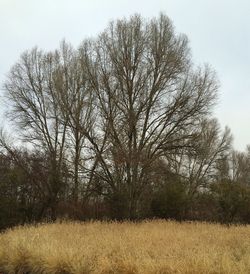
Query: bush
x=203 y=208
x=171 y=201
x=118 y=205
x=233 y=201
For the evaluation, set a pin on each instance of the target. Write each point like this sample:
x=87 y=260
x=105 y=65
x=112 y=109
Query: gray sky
x=218 y=30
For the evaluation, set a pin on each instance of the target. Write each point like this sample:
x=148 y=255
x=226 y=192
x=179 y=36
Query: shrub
x=170 y=201
x=233 y=201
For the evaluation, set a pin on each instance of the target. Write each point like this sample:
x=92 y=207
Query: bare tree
x=32 y=94
x=75 y=100
x=149 y=100
x=111 y=109
x=197 y=164
x=238 y=164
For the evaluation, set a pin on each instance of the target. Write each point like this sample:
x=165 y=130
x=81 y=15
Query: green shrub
x=233 y=201
x=170 y=201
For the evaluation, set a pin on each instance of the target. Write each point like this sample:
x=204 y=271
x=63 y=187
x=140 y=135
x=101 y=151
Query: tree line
x=119 y=128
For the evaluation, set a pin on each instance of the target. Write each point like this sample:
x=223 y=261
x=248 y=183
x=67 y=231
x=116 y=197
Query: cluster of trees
x=119 y=128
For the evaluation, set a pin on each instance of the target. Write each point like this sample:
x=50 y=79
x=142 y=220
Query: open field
x=147 y=247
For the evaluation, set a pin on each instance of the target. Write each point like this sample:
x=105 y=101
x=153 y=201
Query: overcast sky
x=218 y=30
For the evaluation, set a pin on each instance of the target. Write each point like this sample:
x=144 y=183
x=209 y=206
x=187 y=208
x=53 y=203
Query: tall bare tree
x=75 y=100
x=32 y=94
x=149 y=100
x=111 y=109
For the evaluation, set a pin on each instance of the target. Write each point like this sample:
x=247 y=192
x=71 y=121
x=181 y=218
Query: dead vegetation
x=146 y=247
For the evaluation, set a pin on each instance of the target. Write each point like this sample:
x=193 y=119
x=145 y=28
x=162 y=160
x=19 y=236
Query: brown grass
x=147 y=247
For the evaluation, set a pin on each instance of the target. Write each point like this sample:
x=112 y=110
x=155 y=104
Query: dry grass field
x=147 y=247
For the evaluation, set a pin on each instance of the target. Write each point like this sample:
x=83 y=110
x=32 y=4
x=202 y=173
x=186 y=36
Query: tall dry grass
x=147 y=247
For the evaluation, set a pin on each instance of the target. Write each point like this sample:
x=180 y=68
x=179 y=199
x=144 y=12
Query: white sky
x=218 y=30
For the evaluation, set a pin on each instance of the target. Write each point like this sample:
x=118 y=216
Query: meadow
x=146 y=247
